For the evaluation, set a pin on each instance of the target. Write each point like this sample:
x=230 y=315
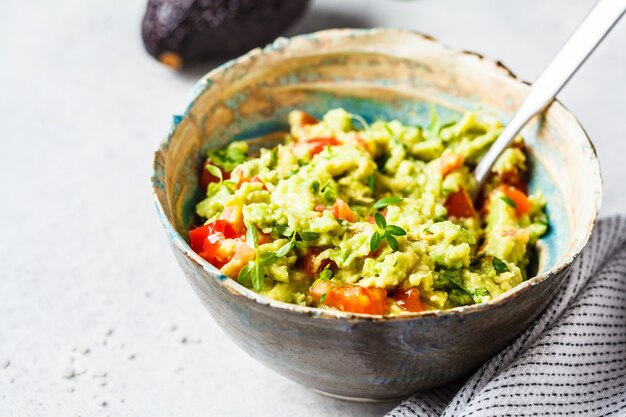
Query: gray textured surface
x=88 y=285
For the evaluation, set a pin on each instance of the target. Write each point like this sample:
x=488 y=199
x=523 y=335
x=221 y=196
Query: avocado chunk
x=182 y=32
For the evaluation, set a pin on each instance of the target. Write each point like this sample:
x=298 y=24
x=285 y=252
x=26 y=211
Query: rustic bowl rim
x=236 y=289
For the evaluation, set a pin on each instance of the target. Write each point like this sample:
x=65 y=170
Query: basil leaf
x=388 y=201
x=267 y=258
x=393 y=242
x=252 y=236
x=284 y=230
x=395 y=230
x=380 y=220
x=375 y=241
x=308 y=236
x=326 y=274
x=284 y=250
x=499 y=265
x=215 y=171
x=245 y=275
x=258 y=277
x=508 y=201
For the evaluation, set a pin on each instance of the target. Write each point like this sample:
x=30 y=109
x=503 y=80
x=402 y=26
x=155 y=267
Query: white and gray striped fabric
x=570 y=362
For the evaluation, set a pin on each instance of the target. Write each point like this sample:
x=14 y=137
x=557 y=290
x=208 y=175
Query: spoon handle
x=571 y=56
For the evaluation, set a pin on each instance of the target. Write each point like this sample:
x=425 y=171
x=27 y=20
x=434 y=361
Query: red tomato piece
x=234 y=221
x=216 y=251
x=449 y=162
x=514 y=179
x=459 y=204
x=522 y=204
x=308 y=263
x=409 y=300
x=208 y=178
x=341 y=210
x=317 y=145
x=351 y=298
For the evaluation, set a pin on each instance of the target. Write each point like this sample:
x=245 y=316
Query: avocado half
x=182 y=32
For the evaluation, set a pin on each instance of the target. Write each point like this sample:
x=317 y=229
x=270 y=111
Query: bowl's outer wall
x=379 y=74
x=364 y=358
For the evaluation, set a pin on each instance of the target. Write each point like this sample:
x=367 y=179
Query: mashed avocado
x=373 y=219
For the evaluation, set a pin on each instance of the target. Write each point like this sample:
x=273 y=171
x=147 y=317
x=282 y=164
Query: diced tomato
x=243 y=254
x=198 y=235
x=234 y=218
x=208 y=178
x=217 y=250
x=299 y=118
x=459 y=204
x=409 y=300
x=522 y=204
x=514 y=179
x=317 y=145
x=319 y=208
x=341 y=210
x=449 y=162
x=308 y=263
x=351 y=298
x=253 y=179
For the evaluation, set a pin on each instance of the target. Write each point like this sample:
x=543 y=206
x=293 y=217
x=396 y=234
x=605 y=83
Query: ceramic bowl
x=383 y=74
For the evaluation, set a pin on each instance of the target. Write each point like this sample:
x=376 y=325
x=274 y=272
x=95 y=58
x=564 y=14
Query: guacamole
x=372 y=219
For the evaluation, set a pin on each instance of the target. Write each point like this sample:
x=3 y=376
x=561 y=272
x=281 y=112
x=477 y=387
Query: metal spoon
x=571 y=56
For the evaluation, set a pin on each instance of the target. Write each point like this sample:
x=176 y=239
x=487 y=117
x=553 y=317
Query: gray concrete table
x=96 y=319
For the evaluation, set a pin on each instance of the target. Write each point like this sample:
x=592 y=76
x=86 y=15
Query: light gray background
x=88 y=285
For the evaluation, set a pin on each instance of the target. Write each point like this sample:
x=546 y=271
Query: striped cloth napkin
x=569 y=362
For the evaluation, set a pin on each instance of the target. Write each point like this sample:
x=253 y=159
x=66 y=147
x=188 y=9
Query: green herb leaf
x=284 y=230
x=252 y=237
x=308 y=236
x=258 y=277
x=395 y=230
x=245 y=275
x=215 y=171
x=393 y=242
x=323 y=298
x=440 y=219
x=380 y=220
x=508 y=201
x=387 y=201
x=284 y=250
x=301 y=245
x=326 y=274
x=266 y=259
x=499 y=265
x=371 y=183
x=481 y=291
x=375 y=241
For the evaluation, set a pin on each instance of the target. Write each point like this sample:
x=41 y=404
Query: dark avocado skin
x=198 y=30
